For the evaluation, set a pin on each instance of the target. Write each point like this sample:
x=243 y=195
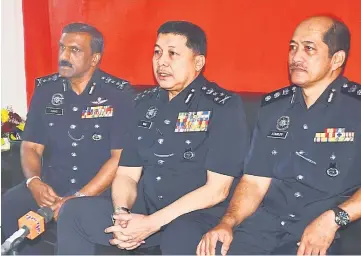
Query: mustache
x=297 y=65
x=65 y=63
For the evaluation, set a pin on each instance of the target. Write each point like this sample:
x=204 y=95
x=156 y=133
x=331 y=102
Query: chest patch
x=192 y=121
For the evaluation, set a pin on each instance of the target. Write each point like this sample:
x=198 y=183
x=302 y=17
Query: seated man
x=304 y=160
x=80 y=116
x=189 y=139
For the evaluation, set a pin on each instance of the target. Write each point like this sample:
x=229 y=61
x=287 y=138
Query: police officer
x=80 y=116
x=189 y=140
x=304 y=159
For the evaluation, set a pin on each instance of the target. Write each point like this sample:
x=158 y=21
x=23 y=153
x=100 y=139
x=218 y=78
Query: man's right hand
x=43 y=194
x=223 y=233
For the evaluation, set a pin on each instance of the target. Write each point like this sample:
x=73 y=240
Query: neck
x=313 y=91
x=78 y=84
x=175 y=92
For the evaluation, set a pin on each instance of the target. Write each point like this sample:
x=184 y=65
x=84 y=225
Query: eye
x=292 y=47
x=172 y=53
x=156 y=52
x=61 y=47
x=309 y=48
x=75 y=49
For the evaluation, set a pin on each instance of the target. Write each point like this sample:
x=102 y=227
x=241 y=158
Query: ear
x=96 y=59
x=200 y=61
x=338 y=59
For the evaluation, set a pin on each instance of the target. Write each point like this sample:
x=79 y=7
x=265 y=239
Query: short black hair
x=338 y=38
x=196 y=38
x=97 y=41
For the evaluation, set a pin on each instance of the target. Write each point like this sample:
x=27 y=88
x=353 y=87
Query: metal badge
x=283 y=123
x=151 y=112
x=97 y=137
x=332 y=171
x=189 y=154
x=99 y=101
x=57 y=99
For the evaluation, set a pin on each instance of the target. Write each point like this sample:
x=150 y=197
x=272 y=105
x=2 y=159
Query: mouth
x=294 y=69
x=163 y=74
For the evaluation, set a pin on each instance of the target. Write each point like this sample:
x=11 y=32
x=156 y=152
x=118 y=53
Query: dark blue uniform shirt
x=312 y=155
x=202 y=128
x=79 y=131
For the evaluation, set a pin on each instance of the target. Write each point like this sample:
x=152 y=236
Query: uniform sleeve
x=35 y=130
x=258 y=161
x=228 y=139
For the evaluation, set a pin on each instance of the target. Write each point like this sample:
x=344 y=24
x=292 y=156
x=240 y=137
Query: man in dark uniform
x=80 y=116
x=304 y=162
x=189 y=140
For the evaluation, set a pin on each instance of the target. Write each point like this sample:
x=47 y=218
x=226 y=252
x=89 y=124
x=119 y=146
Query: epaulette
x=117 y=82
x=146 y=94
x=46 y=79
x=217 y=94
x=352 y=89
x=278 y=94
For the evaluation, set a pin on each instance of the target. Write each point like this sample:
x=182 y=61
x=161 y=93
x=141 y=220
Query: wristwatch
x=341 y=217
x=118 y=209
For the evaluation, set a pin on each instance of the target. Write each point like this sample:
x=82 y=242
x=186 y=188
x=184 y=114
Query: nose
x=162 y=60
x=296 y=55
x=64 y=54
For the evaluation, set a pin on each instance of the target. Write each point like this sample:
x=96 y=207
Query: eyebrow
x=303 y=42
x=171 y=46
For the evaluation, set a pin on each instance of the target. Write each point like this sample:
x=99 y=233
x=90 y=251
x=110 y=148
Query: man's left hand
x=318 y=235
x=56 y=207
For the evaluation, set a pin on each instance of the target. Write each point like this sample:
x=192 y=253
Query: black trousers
x=15 y=203
x=82 y=222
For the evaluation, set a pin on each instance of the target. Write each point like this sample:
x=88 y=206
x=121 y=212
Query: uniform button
x=73 y=181
x=140 y=137
x=96 y=126
x=283 y=223
x=160 y=141
x=75 y=109
x=72 y=126
x=188 y=142
x=292 y=215
x=75 y=168
x=74 y=144
x=274 y=152
x=166 y=121
x=297 y=194
x=73 y=154
x=299 y=177
x=305 y=126
x=160 y=162
x=51 y=124
x=158 y=178
x=160 y=197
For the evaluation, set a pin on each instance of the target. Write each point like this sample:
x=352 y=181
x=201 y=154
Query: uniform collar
x=93 y=83
x=195 y=85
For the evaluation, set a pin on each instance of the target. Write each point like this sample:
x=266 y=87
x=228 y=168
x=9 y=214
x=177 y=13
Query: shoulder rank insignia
x=109 y=79
x=45 y=79
x=279 y=94
x=219 y=96
x=352 y=89
x=146 y=94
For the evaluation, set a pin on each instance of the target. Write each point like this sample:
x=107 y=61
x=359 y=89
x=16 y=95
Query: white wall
x=13 y=83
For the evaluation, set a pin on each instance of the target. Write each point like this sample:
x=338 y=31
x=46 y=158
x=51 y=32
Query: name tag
x=192 y=121
x=54 y=111
x=277 y=135
x=145 y=124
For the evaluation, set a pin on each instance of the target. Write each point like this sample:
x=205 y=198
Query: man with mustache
x=302 y=175
x=189 y=140
x=80 y=116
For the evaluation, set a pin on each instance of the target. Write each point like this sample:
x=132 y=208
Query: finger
x=127 y=245
x=212 y=244
x=124 y=223
x=115 y=242
x=122 y=216
x=323 y=251
x=308 y=249
x=46 y=202
x=315 y=251
x=124 y=238
x=206 y=244
x=133 y=247
x=52 y=193
x=49 y=198
x=227 y=240
x=203 y=246
x=301 y=249
x=198 y=250
x=112 y=229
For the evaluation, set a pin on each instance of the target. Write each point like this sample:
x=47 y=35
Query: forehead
x=172 y=40
x=80 y=39
x=312 y=30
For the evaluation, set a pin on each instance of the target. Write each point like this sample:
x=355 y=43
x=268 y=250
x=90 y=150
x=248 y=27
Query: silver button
x=140 y=137
x=75 y=109
x=305 y=126
x=160 y=162
x=73 y=180
x=283 y=223
x=96 y=126
x=73 y=154
x=274 y=152
x=297 y=194
x=75 y=168
x=299 y=177
x=160 y=141
x=292 y=215
x=158 y=178
x=166 y=121
x=188 y=142
x=74 y=144
x=72 y=126
x=51 y=124
x=160 y=197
